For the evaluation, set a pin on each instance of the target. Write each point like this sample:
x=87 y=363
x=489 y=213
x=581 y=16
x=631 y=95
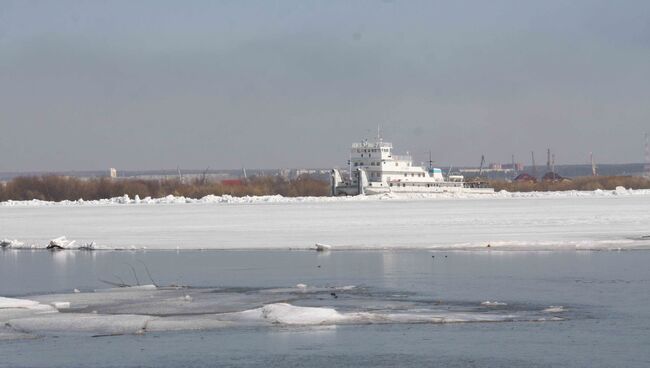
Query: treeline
x=59 y=188
x=579 y=183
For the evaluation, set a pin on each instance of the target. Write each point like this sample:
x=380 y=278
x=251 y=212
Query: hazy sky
x=266 y=84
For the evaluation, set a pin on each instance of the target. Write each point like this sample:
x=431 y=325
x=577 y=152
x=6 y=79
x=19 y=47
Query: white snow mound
x=170 y=199
x=488 y=303
x=17 y=303
x=283 y=313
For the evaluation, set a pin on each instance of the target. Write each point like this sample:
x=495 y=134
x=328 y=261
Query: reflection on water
x=61 y=258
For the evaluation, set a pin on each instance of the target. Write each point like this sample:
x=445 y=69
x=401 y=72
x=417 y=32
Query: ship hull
x=348 y=190
x=425 y=190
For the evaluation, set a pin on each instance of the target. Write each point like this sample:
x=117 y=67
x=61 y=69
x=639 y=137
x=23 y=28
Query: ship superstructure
x=374 y=169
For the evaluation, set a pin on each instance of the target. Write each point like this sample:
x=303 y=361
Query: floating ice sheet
x=143 y=309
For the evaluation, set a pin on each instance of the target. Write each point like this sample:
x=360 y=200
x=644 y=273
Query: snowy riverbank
x=212 y=199
x=598 y=220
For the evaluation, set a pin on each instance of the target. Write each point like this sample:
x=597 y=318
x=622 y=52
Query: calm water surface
x=607 y=295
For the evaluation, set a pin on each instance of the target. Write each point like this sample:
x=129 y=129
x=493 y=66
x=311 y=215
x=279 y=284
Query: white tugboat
x=373 y=169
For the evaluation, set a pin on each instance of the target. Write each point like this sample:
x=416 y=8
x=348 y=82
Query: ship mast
x=350 y=168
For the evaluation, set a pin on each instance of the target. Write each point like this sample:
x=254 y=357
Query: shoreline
x=229 y=199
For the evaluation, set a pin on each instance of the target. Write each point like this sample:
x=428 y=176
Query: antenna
x=548 y=159
x=350 y=168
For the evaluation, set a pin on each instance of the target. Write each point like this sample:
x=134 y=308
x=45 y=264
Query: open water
x=554 y=309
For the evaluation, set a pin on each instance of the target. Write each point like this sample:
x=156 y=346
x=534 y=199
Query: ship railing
x=372 y=145
x=432 y=184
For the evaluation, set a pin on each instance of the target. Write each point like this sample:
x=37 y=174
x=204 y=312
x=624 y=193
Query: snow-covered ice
x=9 y=243
x=135 y=310
x=61 y=305
x=17 y=303
x=284 y=313
x=572 y=220
x=81 y=323
x=228 y=199
x=554 y=309
x=61 y=243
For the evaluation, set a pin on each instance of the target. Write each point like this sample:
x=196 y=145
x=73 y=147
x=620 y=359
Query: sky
x=136 y=85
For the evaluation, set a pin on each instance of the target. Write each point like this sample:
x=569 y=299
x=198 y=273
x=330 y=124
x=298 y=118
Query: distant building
x=496 y=166
x=284 y=173
x=112 y=173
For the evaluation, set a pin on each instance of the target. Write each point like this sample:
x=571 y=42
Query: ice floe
x=488 y=303
x=61 y=243
x=8 y=243
x=17 y=303
x=94 y=324
x=136 y=310
x=323 y=247
x=284 y=313
x=554 y=309
x=61 y=305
